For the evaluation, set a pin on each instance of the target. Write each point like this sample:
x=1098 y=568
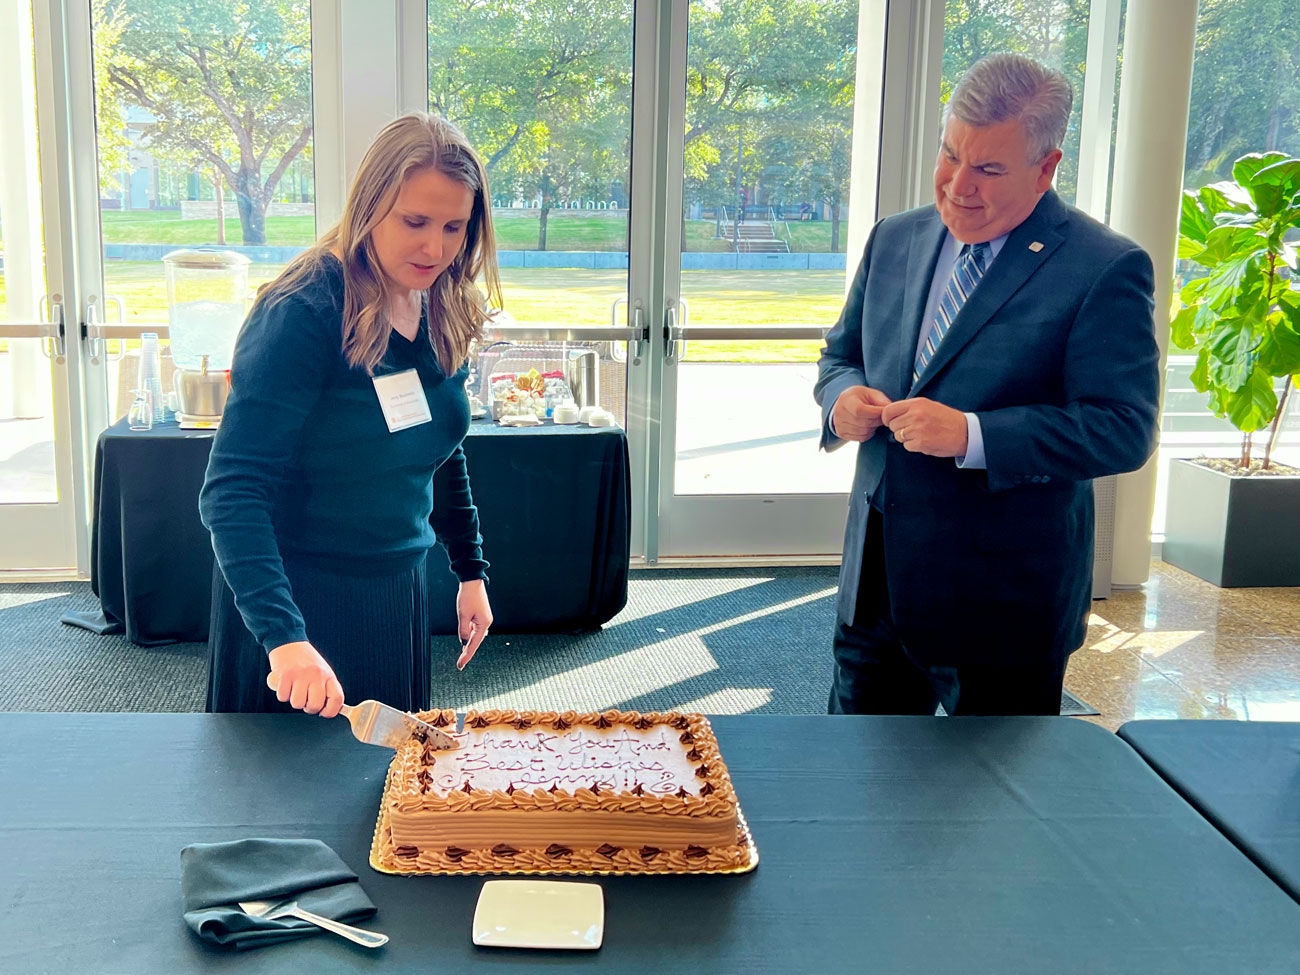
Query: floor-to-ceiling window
x=1245 y=98
x=765 y=194
x=39 y=491
x=654 y=165
x=739 y=236
x=763 y=183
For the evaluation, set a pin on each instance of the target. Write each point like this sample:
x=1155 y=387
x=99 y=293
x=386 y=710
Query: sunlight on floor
x=730 y=700
x=14 y=599
x=658 y=666
x=767 y=611
x=1154 y=643
x=1157 y=643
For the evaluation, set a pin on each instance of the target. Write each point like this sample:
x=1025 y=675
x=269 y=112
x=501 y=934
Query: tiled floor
x=1182 y=648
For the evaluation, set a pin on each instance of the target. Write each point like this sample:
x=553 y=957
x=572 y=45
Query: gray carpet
x=720 y=641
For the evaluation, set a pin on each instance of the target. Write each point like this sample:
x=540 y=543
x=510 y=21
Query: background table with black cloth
x=887 y=845
x=554 y=508
x=1243 y=776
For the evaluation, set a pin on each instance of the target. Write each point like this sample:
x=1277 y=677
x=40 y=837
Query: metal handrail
x=726 y=333
x=544 y=333
x=23 y=330
x=540 y=333
x=105 y=331
x=524 y=333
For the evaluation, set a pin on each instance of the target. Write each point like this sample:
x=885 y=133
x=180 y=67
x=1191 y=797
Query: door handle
x=636 y=345
x=93 y=331
x=120 y=305
x=639 y=344
x=675 y=331
x=54 y=344
x=671 y=333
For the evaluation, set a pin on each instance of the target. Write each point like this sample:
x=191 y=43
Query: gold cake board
x=384 y=859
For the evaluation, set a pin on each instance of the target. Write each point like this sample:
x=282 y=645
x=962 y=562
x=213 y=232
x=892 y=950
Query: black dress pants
x=874 y=673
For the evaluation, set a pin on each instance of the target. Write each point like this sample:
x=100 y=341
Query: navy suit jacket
x=1055 y=353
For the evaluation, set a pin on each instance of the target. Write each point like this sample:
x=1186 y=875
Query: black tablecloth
x=553 y=502
x=1244 y=777
x=150 y=557
x=887 y=845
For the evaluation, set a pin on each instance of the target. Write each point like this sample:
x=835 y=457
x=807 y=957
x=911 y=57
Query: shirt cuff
x=974 y=459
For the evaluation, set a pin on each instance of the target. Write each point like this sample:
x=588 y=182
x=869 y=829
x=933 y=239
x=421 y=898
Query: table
x=554 y=504
x=1243 y=776
x=887 y=845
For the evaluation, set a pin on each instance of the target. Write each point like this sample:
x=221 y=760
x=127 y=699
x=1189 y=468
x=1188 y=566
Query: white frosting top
x=614 y=760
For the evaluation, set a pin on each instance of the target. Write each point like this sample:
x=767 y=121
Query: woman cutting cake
x=338 y=460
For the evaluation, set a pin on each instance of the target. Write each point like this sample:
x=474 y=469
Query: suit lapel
x=1013 y=266
x=923 y=255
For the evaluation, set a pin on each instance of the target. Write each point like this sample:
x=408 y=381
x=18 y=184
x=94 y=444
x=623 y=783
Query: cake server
x=381 y=724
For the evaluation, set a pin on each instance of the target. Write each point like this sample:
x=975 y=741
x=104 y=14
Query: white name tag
x=401 y=396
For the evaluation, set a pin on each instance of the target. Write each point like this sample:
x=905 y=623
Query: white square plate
x=539 y=914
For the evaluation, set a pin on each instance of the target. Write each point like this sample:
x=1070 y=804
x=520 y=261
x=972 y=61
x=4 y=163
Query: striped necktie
x=972 y=262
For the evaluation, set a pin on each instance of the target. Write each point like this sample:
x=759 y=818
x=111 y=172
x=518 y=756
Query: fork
x=272 y=910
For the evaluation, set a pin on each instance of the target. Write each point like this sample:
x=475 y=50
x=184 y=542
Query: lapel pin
x=1036 y=246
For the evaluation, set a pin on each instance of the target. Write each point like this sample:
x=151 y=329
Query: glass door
x=709 y=198
x=755 y=274
x=189 y=158
x=38 y=482
x=544 y=92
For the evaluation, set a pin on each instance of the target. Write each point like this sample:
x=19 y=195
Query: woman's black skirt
x=374 y=631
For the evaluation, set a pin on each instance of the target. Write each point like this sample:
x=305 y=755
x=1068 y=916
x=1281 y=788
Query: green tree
x=819 y=116
x=769 y=102
x=1054 y=32
x=825 y=175
x=728 y=62
x=1245 y=85
x=228 y=83
x=110 y=114
x=542 y=88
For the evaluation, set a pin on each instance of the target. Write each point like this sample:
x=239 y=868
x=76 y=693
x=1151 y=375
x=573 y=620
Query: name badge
x=401 y=395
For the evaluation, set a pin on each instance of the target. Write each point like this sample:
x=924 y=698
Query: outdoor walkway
x=26 y=450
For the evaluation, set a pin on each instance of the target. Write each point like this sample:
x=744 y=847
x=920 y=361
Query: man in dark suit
x=994 y=355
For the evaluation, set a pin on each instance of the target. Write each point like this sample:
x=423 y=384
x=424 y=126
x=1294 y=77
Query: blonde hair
x=457 y=308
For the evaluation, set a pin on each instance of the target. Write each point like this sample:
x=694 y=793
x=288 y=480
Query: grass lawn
x=562 y=233
x=513 y=233
x=167 y=227
x=575 y=297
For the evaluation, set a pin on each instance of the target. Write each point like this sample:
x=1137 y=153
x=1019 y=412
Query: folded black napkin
x=216 y=876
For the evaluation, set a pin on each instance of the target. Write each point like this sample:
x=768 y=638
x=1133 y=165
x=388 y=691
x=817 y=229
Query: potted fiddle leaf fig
x=1237 y=522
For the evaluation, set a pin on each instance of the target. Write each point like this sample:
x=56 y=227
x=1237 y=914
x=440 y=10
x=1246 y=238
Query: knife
x=381 y=724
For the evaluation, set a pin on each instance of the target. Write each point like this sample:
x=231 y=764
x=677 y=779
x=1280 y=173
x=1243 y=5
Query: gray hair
x=1001 y=87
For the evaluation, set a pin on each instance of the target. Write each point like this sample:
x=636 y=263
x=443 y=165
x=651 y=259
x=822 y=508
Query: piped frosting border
x=406 y=792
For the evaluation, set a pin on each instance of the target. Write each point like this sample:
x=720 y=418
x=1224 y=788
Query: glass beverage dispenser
x=206 y=304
